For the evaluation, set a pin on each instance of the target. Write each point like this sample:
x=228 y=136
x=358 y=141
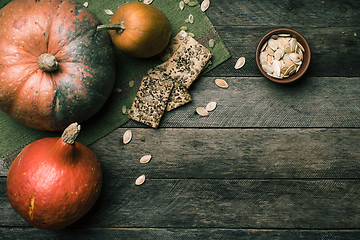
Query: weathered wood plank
x=334 y=50
x=178 y=233
x=231 y=153
x=288 y=13
x=257 y=102
x=207 y=203
x=234 y=153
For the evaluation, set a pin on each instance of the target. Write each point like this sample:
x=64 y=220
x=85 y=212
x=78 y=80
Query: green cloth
x=14 y=136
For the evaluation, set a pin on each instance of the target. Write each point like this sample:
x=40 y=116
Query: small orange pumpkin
x=139 y=30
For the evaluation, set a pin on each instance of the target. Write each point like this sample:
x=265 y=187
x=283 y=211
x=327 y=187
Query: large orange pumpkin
x=55 y=68
x=53 y=182
x=143 y=30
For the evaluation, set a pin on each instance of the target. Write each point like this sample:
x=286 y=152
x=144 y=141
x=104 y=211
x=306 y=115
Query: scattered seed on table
x=127 y=136
x=221 y=83
x=141 y=137
x=108 y=12
x=191 y=18
x=181 y=5
x=86 y=4
x=183 y=28
x=192 y=3
x=211 y=43
x=205 y=5
x=240 y=63
x=145 y=158
x=140 y=180
x=211 y=106
x=123 y=109
x=148 y=1
x=131 y=84
x=202 y=111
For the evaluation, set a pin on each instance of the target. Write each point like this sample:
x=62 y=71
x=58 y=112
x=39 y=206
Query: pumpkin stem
x=119 y=27
x=47 y=62
x=71 y=133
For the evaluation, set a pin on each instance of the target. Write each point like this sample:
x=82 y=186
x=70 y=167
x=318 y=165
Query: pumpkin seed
x=221 y=83
x=191 y=19
x=186 y=1
x=190 y=34
x=273 y=44
x=210 y=106
x=290 y=70
x=181 y=5
x=202 y=111
x=140 y=180
x=131 y=84
x=145 y=158
x=192 y=3
x=108 y=12
x=127 y=136
x=117 y=90
x=284 y=35
x=123 y=109
x=183 y=28
x=141 y=137
x=293 y=44
x=300 y=46
x=240 y=63
x=205 y=5
x=211 y=43
x=267 y=69
x=148 y=1
x=86 y=4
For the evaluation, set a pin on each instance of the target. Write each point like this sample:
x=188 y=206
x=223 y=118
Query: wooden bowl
x=306 y=55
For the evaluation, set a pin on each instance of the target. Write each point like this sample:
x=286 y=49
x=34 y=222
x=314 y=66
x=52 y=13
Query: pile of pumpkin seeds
x=281 y=56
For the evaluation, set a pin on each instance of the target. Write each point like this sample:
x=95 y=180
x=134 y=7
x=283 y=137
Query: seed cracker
x=174 y=44
x=188 y=61
x=157 y=71
x=150 y=101
x=179 y=96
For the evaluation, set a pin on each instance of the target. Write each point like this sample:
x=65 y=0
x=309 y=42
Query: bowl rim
x=307 y=54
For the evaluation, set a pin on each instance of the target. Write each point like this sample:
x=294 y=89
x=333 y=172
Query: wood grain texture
x=231 y=153
x=179 y=233
x=234 y=153
x=295 y=13
x=257 y=102
x=271 y=162
x=329 y=46
x=214 y=203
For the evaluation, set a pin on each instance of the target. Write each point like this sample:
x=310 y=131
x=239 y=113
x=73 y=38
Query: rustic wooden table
x=271 y=162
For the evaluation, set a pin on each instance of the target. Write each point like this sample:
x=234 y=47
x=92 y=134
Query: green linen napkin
x=14 y=136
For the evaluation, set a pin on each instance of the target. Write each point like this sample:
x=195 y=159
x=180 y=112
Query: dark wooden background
x=271 y=162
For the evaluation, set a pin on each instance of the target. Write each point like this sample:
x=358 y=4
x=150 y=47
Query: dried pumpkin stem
x=47 y=62
x=119 y=27
x=71 y=133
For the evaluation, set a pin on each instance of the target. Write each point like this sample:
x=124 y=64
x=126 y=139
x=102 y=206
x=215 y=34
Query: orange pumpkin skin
x=147 y=30
x=85 y=76
x=52 y=184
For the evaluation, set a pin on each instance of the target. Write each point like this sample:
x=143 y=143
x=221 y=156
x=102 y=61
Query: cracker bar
x=179 y=94
x=188 y=61
x=174 y=44
x=178 y=97
x=150 y=101
x=157 y=71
